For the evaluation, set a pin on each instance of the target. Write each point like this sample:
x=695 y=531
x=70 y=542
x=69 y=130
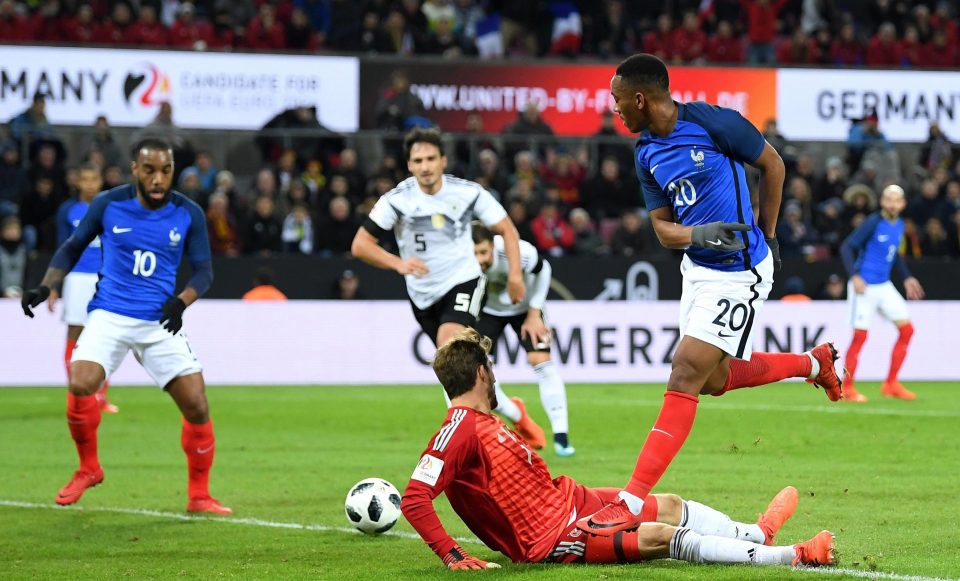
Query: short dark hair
x=457 y=361
x=150 y=143
x=645 y=70
x=87 y=166
x=481 y=233
x=429 y=135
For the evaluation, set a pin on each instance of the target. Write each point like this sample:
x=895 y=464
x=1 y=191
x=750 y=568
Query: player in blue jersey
x=145 y=228
x=81 y=282
x=689 y=158
x=869 y=254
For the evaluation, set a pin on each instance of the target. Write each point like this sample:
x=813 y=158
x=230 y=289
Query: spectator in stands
x=834 y=289
x=48 y=22
x=803 y=167
x=823 y=43
x=13 y=180
x=237 y=204
x=14 y=27
x=13 y=257
x=830 y=224
x=222 y=226
x=609 y=194
x=799 y=50
x=883 y=49
x=46 y=165
x=847 y=49
x=613 y=144
x=372 y=37
x=263 y=288
x=773 y=136
x=795 y=291
x=659 y=42
x=940 y=52
x=723 y=46
x=38 y=213
x=189 y=184
x=103 y=141
x=586 y=241
x=299 y=34
x=443 y=40
x=335 y=233
x=347 y=287
x=566 y=173
x=552 y=232
x=912 y=50
x=518 y=26
x=528 y=131
x=264 y=32
x=793 y=232
x=351 y=171
x=798 y=191
x=865 y=135
x=628 y=239
x=927 y=205
x=492 y=170
x=399 y=106
x=953 y=233
x=689 y=41
x=519 y=214
x=286 y=170
x=206 y=172
x=147 y=30
x=833 y=182
x=320 y=143
x=118 y=29
x=613 y=34
x=761 y=28
x=297 y=234
x=188 y=31
x=113 y=176
x=82 y=28
x=937 y=151
x=934 y=240
x=860 y=201
x=262 y=233
x=33 y=128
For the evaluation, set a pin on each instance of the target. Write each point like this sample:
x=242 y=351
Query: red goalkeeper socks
x=665 y=440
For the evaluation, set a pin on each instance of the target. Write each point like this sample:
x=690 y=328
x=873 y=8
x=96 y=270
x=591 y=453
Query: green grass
x=882 y=476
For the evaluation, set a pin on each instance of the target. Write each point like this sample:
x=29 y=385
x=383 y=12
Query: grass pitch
x=882 y=476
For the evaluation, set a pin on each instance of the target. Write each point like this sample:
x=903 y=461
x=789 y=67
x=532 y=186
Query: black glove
x=719 y=236
x=172 y=318
x=32 y=298
x=775 y=250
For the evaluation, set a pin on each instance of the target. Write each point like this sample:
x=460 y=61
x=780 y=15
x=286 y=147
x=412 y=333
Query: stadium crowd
x=568 y=197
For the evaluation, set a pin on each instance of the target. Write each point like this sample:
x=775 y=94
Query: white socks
x=553 y=395
x=687 y=545
x=710 y=521
x=814 y=365
x=634 y=503
x=505 y=406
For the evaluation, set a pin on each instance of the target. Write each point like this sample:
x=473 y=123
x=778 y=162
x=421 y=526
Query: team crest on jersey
x=697 y=157
x=438 y=221
x=174 y=237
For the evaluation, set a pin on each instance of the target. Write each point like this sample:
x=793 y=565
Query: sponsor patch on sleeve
x=428 y=469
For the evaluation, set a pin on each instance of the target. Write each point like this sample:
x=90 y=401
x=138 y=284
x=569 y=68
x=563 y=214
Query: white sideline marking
x=324 y=528
x=836 y=408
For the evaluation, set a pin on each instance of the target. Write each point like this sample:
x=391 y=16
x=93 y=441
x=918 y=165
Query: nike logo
x=883 y=238
x=654 y=168
x=661 y=431
x=573 y=516
x=119 y=230
x=721 y=333
x=204 y=450
x=717 y=243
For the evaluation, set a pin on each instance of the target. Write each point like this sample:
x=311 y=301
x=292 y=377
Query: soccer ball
x=373 y=505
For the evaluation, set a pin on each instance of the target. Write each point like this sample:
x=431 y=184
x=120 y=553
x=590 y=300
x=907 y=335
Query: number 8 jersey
x=698 y=169
x=436 y=229
x=142 y=250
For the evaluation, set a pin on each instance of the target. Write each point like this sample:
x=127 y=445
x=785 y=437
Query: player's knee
x=669 y=509
x=684 y=378
x=537 y=358
x=653 y=539
x=83 y=382
x=196 y=410
x=906 y=331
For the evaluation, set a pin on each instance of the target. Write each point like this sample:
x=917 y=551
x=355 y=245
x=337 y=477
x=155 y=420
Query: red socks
x=853 y=353
x=83 y=418
x=899 y=352
x=68 y=353
x=764 y=368
x=665 y=440
x=198 y=443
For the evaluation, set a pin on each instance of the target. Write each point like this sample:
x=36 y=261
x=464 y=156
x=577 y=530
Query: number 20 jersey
x=698 y=170
x=142 y=249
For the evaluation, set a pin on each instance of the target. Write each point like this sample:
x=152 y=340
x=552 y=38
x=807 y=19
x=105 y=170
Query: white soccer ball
x=373 y=505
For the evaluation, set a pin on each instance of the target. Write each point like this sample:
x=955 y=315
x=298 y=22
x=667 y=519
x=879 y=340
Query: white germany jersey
x=436 y=229
x=498 y=300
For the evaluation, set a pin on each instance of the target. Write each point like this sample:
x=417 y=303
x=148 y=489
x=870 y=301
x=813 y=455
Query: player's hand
x=774 y=246
x=720 y=236
x=516 y=288
x=413 y=266
x=52 y=299
x=860 y=285
x=913 y=288
x=32 y=299
x=172 y=314
x=459 y=560
x=534 y=328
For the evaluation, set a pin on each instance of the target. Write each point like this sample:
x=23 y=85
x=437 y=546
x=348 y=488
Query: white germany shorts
x=720 y=307
x=107 y=337
x=882 y=297
x=78 y=289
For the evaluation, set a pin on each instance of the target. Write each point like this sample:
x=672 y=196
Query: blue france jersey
x=68 y=218
x=142 y=250
x=877 y=244
x=698 y=170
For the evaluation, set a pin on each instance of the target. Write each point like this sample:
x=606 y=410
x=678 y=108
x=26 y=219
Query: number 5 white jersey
x=436 y=229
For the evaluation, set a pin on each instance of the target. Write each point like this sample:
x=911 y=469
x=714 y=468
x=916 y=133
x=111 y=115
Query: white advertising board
x=206 y=90
x=820 y=104
x=328 y=342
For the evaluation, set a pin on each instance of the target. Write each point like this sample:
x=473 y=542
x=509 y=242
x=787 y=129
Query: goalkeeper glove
x=172 y=317
x=458 y=560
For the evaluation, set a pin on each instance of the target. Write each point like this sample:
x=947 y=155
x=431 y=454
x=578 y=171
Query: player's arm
x=434 y=472
x=201 y=266
x=772 y=175
x=852 y=246
x=511 y=247
x=910 y=283
x=366 y=242
x=534 y=325
x=66 y=256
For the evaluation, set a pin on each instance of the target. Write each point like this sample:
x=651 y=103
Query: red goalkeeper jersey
x=500 y=488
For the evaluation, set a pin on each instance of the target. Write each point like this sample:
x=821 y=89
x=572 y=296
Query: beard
x=492 y=394
x=150 y=202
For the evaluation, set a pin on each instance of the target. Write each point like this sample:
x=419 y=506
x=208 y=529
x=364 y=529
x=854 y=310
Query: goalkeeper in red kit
x=504 y=493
